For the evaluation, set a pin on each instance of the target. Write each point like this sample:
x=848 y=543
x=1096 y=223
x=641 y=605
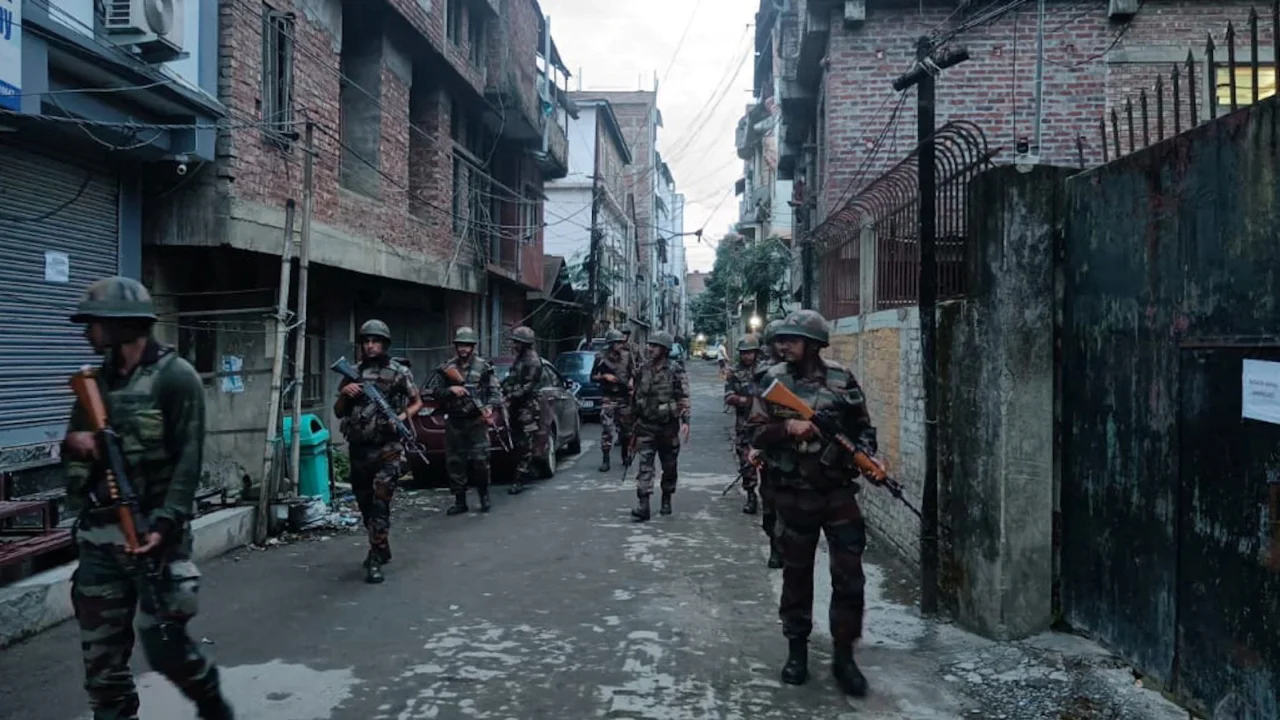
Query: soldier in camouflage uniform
x=521 y=390
x=155 y=401
x=768 y=516
x=614 y=371
x=662 y=422
x=376 y=451
x=469 y=407
x=816 y=495
x=739 y=391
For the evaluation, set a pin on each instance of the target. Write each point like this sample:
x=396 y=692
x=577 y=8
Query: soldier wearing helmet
x=614 y=370
x=155 y=400
x=768 y=346
x=469 y=406
x=816 y=494
x=768 y=515
x=739 y=391
x=376 y=451
x=662 y=421
x=521 y=390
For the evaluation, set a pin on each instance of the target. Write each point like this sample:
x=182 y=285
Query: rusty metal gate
x=1171 y=282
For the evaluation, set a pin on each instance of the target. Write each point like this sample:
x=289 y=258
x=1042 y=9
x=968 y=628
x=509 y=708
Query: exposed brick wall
x=996 y=87
x=429 y=22
x=512 y=68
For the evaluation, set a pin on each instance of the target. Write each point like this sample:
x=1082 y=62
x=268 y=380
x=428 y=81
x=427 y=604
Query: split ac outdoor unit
x=154 y=27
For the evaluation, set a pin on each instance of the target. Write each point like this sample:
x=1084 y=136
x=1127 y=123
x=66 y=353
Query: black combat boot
x=516 y=487
x=384 y=553
x=459 y=504
x=641 y=512
x=753 y=503
x=775 y=554
x=848 y=676
x=666 y=503
x=796 y=670
x=372 y=570
x=484 y=501
x=604 y=462
x=215 y=709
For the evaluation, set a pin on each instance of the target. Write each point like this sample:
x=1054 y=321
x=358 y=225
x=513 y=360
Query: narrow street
x=556 y=606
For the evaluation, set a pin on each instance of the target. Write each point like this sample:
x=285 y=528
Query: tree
x=744 y=271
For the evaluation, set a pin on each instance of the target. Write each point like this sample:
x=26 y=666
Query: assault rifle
x=753 y=459
x=829 y=429
x=117 y=491
x=628 y=455
x=407 y=437
x=454 y=376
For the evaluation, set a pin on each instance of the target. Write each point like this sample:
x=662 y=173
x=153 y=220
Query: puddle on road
x=272 y=691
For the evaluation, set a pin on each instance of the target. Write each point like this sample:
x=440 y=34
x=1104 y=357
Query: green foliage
x=743 y=271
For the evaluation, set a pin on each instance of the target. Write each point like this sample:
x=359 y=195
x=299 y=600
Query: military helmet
x=466 y=335
x=614 y=336
x=771 y=329
x=523 y=334
x=806 y=324
x=750 y=343
x=115 y=297
x=626 y=331
x=661 y=339
x=376 y=328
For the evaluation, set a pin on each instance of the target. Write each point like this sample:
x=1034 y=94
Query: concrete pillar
x=999 y=412
x=867 y=269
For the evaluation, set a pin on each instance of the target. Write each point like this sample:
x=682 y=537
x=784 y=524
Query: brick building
x=431 y=150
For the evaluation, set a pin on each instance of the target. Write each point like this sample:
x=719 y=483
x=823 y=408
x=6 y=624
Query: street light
x=754 y=322
x=702 y=338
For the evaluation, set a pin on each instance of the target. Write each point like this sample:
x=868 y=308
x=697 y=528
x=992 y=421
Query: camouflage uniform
x=521 y=390
x=662 y=407
x=816 y=495
x=376 y=451
x=768 y=514
x=739 y=389
x=466 y=430
x=615 y=403
x=159 y=413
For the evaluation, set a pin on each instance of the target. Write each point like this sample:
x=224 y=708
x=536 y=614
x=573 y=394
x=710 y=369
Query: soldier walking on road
x=662 y=422
x=469 y=407
x=521 y=390
x=739 y=392
x=155 y=401
x=376 y=450
x=769 y=515
x=614 y=371
x=816 y=494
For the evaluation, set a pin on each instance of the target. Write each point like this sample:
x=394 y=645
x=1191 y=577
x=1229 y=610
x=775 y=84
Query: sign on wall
x=11 y=54
x=1261 y=391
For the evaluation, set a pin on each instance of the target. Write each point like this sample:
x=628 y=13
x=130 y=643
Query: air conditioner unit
x=153 y=27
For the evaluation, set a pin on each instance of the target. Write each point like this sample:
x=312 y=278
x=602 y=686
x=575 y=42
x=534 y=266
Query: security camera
x=181 y=169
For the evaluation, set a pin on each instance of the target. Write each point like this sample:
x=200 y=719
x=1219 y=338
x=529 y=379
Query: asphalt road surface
x=554 y=605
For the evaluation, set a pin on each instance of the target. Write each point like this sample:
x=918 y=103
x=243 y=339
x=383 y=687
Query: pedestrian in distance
x=520 y=387
x=471 y=398
x=816 y=494
x=376 y=449
x=614 y=370
x=662 y=421
x=153 y=400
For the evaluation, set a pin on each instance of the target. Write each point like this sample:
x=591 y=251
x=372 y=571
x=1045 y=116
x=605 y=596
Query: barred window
x=277 y=76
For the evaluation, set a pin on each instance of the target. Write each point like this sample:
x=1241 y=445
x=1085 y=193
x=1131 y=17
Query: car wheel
x=547 y=463
x=575 y=445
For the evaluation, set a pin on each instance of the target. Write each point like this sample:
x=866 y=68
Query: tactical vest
x=474 y=379
x=366 y=424
x=620 y=368
x=527 y=366
x=134 y=412
x=656 y=402
x=746 y=378
x=811 y=463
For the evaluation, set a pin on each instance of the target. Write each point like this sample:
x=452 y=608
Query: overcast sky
x=622 y=44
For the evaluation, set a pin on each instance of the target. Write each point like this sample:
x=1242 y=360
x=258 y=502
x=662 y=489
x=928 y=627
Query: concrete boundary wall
x=883 y=351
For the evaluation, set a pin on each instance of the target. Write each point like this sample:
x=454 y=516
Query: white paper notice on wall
x=1260 y=381
x=57 y=266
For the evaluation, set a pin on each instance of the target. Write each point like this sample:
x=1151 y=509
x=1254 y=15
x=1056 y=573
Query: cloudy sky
x=620 y=44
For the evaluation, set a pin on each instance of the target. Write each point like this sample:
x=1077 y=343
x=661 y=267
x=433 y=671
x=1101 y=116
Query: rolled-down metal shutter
x=59 y=231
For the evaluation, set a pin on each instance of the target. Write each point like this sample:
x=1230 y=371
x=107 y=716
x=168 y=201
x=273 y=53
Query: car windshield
x=576 y=366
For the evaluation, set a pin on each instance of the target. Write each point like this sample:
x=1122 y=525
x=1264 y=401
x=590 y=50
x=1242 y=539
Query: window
x=475 y=32
x=277 y=76
x=453 y=20
x=1244 y=85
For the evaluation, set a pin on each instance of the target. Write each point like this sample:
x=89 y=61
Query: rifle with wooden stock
x=117 y=491
x=830 y=430
x=454 y=376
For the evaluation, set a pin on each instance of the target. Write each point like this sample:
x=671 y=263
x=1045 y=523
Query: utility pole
x=593 y=255
x=277 y=379
x=304 y=261
x=922 y=76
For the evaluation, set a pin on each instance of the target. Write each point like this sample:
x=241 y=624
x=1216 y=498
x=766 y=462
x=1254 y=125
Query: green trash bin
x=313 y=456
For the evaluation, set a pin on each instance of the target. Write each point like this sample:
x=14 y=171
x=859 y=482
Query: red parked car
x=559 y=432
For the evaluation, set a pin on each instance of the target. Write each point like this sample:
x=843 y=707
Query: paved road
x=552 y=606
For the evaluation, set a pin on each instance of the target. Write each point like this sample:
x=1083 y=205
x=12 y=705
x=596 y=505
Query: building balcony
x=553 y=156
